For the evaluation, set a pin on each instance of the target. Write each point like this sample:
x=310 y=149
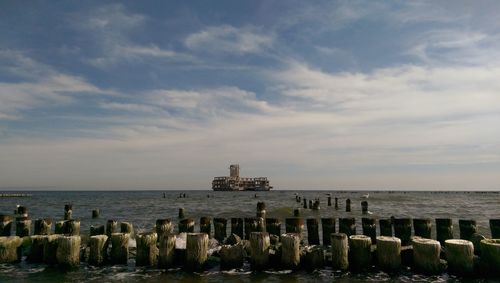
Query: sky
x=313 y=94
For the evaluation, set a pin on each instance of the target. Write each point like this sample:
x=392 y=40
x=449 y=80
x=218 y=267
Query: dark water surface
x=142 y=208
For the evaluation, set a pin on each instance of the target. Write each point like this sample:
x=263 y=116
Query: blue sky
x=313 y=94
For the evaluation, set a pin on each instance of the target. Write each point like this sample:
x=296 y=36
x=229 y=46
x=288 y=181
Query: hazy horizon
x=331 y=94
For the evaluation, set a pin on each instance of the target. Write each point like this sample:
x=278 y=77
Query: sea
x=142 y=208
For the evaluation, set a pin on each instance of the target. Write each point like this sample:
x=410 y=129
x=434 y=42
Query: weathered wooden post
x=460 y=256
x=426 y=254
x=422 y=227
x=5 y=225
x=316 y=205
x=310 y=204
x=314 y=258
x=147 y=252
x=296 y=212
x=97 y=230
x=402 y=230
x=231 y=256
x=328 y=227
x=196 y=251
x=50 y=248
x=444 y=229
x=23 y=226
x=111 y=227
x=347 y=226
x=68 y=252
x=295 y=225
x=467 y=228
x=273 y=226
x=476 y=239
x=181 y=213
x=126 y=227
x=71 y=227
x=220 y=227
x=119 y=248
x=35 y=254
x=490 y=255
x=495 y=228
x=329 y=201
x=336 y=203
x=290 y=253
x=312 y=231
x=186 y=225
x=166 y=250
x=389 y=253
x=385 y=227
x=163 y=227
x=259 y=250
x=348 y=205
x=68 y=211
x=305 y=203
x=364 y=207
x=369 y=228
x=261 y=209
x=95 y=213
x=237 y=226
x=22 y=211
x=8 y=248
x=206 y=225
x=97 y=253
x=42 y=226
x=250 y=226
x=58 y=227
x=340 y=251
x=360 y=254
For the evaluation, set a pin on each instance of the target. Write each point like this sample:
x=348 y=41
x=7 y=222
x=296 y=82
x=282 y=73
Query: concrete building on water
x=236 y=183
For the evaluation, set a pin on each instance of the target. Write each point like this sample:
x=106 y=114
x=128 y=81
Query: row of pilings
x=260 y=240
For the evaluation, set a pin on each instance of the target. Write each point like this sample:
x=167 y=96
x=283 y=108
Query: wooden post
x=254 y=224
x=426 y=254
x=259 y=250
x=196 y=251
x=111 y=227
x=360 y=254
x=8 y=248
x=97 y=254
x=35 y=254
x=314 y=258
x=71 y=227
x=163 y=227
x=340 y=251
x=348 y=205
x=261 y=209
x=42 y=226
x=68 y=211
x=422 y=227
x=58 y=227
x=295 y=225
x=305 y=203
x=5 y=225
x=126 y=227
x=316 y=205
x=97 y=230
x=476 y=239
x=290 y=253
x=22 y=211
x=460 y=256
x=119 y=248
x=273 y=226
x=231 y=256
x=369 y=228
x=68 y=252
x=220 y=227
x=495 y=228
x=336 y=203
x=23 y=226
x=181 y=213
x=402 y=230
x=328 y=225
x=385 y=227
x=312 y=231
x=467 y=228
x=444 y=229
x=186 y=225
x=490 y=255
x=310 y=204
x=364 y=207
x=50 y=249
x=206 y=225
x=147 y=252
x=389 y=253
x=237 y=226
x=95 y=213
x=166 y=250
x=296 y=212
x=347 y=226
x=329 y=201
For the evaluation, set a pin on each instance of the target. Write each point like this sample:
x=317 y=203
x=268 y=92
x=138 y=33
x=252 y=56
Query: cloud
x=229 y=39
